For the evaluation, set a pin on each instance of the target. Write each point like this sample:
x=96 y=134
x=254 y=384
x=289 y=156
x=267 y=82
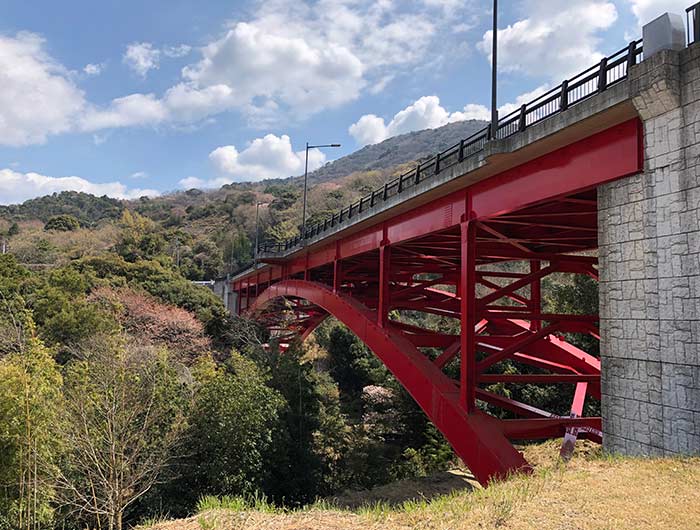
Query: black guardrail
x=595 y=80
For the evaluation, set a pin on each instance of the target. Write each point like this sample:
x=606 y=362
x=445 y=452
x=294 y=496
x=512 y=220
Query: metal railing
x=693 y=23
x=595 y=80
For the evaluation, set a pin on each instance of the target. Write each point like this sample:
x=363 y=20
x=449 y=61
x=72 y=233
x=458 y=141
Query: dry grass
x=591 y=492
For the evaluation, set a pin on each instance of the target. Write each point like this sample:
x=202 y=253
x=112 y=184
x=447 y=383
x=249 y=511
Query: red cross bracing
x=475 y=256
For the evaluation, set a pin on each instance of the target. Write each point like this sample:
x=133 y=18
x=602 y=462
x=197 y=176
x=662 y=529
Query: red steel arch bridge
x=470 y=235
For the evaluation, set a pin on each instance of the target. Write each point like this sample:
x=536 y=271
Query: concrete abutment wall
x=649 y=244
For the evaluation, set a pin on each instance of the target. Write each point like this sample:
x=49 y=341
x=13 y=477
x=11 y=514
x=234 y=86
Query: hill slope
x=398 y=150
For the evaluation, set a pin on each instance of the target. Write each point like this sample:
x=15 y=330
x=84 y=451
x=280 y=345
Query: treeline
x=88 y=209
x=206 y=234
x=128 y=393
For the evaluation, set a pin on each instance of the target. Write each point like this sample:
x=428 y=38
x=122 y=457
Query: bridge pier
x=649 y=245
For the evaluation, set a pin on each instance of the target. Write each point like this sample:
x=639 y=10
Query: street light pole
x=306 y=178
x=494 y=73
x=303 y=208
x=257 y=231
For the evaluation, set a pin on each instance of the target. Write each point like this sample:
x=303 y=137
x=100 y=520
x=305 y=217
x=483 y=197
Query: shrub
x=62 y=223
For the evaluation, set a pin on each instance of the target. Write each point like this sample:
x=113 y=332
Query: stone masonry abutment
x=649 y=255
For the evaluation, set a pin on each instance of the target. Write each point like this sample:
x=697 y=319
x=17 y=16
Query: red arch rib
x=477 y=438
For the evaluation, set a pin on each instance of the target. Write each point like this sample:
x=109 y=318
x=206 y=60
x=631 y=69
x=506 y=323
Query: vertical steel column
x=337 y=275
x=468 y=311
x=337 y=269
x=536 y=297
x=247 y=294
x=306 y=267
x=236 y=298
x=384 y=277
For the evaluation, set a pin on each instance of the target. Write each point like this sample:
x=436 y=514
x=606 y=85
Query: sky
x=130 y=98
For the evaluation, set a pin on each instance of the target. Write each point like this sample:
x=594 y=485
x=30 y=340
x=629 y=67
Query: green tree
x=13 y=230
x=168 y=286
x=124 y=417
x=280 y=232
x=62 y=312
x=234 y=427
x=30 y=409
x=140 y=238
x=62 y=223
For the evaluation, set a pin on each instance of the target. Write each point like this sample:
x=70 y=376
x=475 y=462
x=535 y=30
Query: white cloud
x=257 y=64
x=425 y=113
x=648 y=10
x=139 y=175
x=16 y=187
x=428 y=113
x=176 y=52
x=369 y=129
x=558 y=39
x=195 y=182
x=472 y=111
x=268 y=157
x=92 y=69
x=37 y=98
x=141 y=57
x=291 y=58
x=128 y=111
x=287 y=60
x=521 y=100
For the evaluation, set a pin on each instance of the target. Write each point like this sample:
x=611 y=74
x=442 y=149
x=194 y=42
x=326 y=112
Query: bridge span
x=599 y=177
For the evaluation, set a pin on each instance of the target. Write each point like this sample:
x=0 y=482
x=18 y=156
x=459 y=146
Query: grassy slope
x=591 y=492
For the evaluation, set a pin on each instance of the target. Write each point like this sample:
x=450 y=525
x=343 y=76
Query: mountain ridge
x=397 y=150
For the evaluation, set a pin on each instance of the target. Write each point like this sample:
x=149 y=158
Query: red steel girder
x=541 y=213
x=614 y=153
x=476 y=438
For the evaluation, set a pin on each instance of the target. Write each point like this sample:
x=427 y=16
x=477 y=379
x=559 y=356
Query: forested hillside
x=206 y=234
x=398 y=150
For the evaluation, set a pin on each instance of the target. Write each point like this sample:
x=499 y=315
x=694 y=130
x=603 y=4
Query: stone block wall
x=649 y=244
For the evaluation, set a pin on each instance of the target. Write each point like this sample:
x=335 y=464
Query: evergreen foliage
x=62 y=223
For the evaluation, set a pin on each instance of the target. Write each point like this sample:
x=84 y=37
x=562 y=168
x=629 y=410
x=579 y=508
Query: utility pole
x=494 y=74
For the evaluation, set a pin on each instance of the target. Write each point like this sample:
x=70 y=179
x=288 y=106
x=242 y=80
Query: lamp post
x=257 y=231
x=494 y=73
x=306 y=177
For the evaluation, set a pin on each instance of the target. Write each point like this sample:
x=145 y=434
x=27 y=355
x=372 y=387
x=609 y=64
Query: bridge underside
x=474 y=261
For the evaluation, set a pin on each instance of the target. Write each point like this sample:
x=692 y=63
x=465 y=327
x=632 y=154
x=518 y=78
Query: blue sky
x=126 y=98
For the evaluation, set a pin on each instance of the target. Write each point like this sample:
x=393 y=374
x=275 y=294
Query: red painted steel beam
x=614 y=153
x=567 y=446
x=516 y=407
x=448 y=354
x=384 y=284
x=476 y=438
x=516 y=346
x=546 y=379
x=468 y=318
x=541 y=428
